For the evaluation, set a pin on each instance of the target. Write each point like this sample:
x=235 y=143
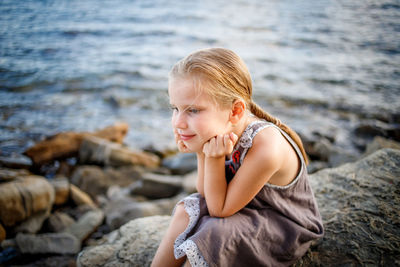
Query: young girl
x=254 y=205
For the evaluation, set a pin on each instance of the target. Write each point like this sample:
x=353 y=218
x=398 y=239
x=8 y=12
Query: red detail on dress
x=236 y=157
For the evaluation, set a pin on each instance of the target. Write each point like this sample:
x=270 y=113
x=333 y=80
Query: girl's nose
x=178 y=121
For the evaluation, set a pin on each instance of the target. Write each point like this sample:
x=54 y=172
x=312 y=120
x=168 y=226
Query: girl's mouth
x=186 y=137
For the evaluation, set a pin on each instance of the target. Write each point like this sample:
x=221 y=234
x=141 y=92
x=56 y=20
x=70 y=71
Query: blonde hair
x=225 y=76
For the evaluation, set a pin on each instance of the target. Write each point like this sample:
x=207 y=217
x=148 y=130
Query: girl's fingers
x=233 y=137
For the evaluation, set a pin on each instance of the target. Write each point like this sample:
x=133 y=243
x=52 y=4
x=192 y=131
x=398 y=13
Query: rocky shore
x=85 y=199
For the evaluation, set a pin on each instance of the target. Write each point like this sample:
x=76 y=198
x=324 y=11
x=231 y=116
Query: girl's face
x=196 y=117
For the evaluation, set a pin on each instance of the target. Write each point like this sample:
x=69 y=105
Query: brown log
x=66 y=144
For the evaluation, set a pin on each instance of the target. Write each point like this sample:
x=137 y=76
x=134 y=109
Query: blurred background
x=321 y=66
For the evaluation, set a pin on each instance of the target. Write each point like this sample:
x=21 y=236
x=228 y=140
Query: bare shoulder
x=267 y=146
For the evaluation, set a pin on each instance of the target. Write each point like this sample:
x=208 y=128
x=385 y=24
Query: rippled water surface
x=82 y=65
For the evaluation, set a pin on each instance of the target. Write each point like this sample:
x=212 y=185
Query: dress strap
x=246 y=140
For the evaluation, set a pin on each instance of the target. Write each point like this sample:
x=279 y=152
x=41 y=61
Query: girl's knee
x=180 y=212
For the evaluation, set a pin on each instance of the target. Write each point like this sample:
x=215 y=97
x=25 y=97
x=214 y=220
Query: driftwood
x=66 y=144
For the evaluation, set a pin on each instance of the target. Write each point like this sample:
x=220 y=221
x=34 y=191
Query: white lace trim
x=246 y=141
x=193 y=254
x=183 y=246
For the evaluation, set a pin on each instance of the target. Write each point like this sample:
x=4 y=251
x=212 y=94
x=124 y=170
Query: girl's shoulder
x=261 y=140
x=268 y=141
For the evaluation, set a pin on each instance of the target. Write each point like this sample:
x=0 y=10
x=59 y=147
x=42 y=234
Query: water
x=83 y=65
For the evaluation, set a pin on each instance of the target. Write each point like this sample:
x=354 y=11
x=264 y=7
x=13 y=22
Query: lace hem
x=183 y=246
x=193 y=254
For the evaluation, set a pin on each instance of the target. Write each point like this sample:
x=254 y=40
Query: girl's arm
x=261 y=162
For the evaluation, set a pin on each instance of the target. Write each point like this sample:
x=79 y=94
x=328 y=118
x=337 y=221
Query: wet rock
x=371 y=128
x=157 y=186
x=124 y=209
x=379 y=143
x=80 y=198
x=134 y=244
x=7 y=254
x=86 y=225
x=2 y=233
x=66 y=144
x=57 y=243
x=96 y=181
x=16 y=162
x=23 y=198
x=7 y=174
x=61 y=188
x=58 y=221
x=181 y=163
x=359 y=204
x=99 y=151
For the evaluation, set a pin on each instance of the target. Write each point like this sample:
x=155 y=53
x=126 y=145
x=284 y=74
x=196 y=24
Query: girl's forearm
x=215 y=185
x=200 y=173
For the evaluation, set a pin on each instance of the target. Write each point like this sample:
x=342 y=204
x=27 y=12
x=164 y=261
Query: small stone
x=80 y=198
x=58 y=243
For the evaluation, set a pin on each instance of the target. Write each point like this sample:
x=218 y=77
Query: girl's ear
x=237 y=112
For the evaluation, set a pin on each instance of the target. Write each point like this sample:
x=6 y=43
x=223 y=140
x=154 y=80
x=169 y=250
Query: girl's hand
x=220 y=145
x=181 y=146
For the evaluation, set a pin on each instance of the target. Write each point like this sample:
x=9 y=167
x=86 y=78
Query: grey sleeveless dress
x=274 y=229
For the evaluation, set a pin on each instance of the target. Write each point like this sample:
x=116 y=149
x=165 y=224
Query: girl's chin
x=194 y=148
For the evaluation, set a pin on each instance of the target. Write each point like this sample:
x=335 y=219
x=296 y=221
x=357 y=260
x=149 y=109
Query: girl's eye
x=193 y=110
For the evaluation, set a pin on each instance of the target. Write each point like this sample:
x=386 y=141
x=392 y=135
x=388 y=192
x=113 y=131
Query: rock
x=61 y=188
x=134 y=244
x=189 y=182
x=157 y=186
x=34 y=223
x=2 y=233
x=379 y=143
x=316 y=165
x=80 y=198
x=7 y=174
x=58 y=221
x=86 y=225
x=23 y=198
x=359 y=203
x=96 y=181
x=66 y=144
x=322 y=149
x=16 y=162
x=51 y=261
x=371 y=128
x=99 y=151
x=57 y=243
x=124 y=209
x=181 y=163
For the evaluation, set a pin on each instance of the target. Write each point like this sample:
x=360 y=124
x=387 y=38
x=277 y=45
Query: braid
x=260 y=113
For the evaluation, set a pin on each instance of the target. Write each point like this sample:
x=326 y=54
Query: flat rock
x=157 y=186
x=95 y=150
x=134 y=244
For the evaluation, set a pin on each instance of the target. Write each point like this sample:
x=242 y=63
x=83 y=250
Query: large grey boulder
x=360 y=206
x=133 y=245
